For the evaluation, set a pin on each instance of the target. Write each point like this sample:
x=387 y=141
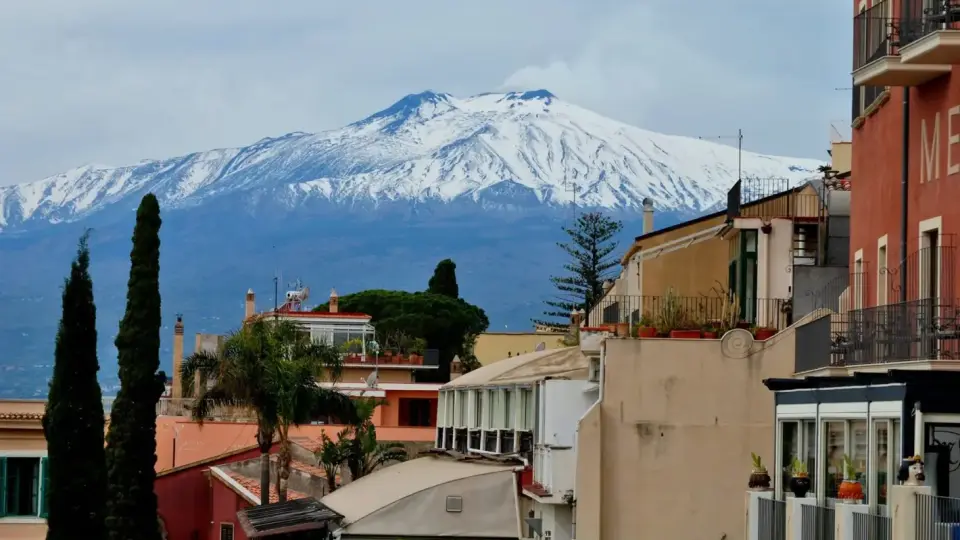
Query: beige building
x=493 y=346
x=23 y=456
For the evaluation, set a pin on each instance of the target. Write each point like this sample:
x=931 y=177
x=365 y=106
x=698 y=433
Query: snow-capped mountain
x=427 y=147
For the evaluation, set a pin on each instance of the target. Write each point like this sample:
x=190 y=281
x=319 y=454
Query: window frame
x=226 y=525
x=42 y=485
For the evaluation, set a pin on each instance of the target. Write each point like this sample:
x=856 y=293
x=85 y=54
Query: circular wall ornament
x=736 y=343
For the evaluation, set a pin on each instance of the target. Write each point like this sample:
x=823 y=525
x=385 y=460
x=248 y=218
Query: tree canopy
x=444 y=279
x=75 y=475
x=447 y=324
x=589 y=248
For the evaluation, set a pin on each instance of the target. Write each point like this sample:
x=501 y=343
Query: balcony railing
x=772 y=519
x=875 y=34
x=922 y=17
x=930 y=273
x=905 y=331
x=430 y=357
x=816 y=522
x=872 y=527
x=936 y=517
x=183 y=407
x=771 y=198
x=632 y=310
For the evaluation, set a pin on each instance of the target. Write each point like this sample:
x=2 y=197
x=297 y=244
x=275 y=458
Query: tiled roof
x=21 y=416
x=301 y=466
x=537 y=489
x=253 y=486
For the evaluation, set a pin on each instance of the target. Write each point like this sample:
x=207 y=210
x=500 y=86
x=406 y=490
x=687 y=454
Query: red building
x=905 y=44
x=200 y=501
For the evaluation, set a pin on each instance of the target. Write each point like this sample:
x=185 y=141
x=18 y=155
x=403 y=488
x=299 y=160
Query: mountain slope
x=493 y=149
x=484 y=180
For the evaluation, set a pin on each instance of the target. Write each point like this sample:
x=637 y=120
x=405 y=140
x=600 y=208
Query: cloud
x=110 y=81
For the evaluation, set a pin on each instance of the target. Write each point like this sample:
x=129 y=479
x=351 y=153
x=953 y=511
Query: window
x=22 y=482
x=834 y=434
x=798 y=441
x=226 y=531
x=478 y=409
x=508 y=409
x=414 y=412
x=858 y=279
x=492 y=420
x=462 y=421
x=886 y=452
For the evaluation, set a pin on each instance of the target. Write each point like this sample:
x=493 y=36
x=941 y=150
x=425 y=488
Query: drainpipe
x=904 y=189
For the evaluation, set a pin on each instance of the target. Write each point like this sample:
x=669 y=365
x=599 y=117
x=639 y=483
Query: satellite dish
x=541 y=346
x=304 y=294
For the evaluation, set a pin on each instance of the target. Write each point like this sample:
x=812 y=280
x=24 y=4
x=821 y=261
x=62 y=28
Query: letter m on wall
x=930 y=148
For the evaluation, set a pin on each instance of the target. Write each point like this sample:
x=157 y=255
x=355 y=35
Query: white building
x=527 y=405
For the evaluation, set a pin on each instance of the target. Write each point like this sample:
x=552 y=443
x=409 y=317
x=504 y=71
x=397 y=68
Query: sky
x=114 y=82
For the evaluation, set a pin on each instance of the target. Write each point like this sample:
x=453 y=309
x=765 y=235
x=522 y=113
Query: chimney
x=250 y=306
x=456 y=368
x=647 y=215
x=334 y=302
x=177 y=356
x=576 y=317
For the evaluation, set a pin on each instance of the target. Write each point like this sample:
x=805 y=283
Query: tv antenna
x=739 y=138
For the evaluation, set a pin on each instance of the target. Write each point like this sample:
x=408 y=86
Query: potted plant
x=759 y=477
x=850 y=488
x=645 y=328
x=671 y=315
x=764 y=332
x=711 y=330
x=687 y=329
x=800 y=480
x=622 y=329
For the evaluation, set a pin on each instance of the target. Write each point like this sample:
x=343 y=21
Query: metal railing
x=930 y=273
x=917 y=330
x=771 y=519
x=816 y=522
x=182 y=407
x=938 y=518
x=698 y=310
x=875 y=34
x=771 y=198
x=429 y=357
x=871 y=527
x=922 y=17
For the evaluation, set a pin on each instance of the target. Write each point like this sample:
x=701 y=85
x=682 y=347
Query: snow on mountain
x=426 y=147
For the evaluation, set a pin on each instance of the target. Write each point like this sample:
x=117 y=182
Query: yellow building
x=493 y=346
x=23 y=455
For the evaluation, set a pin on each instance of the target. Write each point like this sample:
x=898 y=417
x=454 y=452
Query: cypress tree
x=131 y=440
x=444 y=279
x=76 y=477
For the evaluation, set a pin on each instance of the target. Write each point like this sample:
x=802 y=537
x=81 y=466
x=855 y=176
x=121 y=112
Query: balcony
x=877 y=39
x=694 y=311
x=769 y=198
x=429 y=359
x=554 y=471
x=930 y=32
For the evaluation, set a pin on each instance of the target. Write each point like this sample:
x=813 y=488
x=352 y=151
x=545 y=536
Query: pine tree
x=590 y=246
x=444 y=279
x=131 y=441
x=76 y=477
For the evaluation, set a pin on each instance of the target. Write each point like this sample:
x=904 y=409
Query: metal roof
x=281 y=518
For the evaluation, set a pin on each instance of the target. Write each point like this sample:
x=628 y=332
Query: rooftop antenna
x=574 y=188
x=739 y=137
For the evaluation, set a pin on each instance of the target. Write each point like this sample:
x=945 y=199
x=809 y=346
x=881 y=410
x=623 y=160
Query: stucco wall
x=589 y=475
x=493 y=346
x=680 y=419
x=225 y=503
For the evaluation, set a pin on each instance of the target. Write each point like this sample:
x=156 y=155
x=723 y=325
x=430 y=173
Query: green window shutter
x=44 y=485
x=3 y=486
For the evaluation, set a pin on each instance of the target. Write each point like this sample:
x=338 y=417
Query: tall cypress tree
x=131 y=440
x=76 y=486
x=444 y=279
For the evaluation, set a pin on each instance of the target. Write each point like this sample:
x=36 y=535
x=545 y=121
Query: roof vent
x=454 y=503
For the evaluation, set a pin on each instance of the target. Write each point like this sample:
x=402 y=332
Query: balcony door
x=746 y=270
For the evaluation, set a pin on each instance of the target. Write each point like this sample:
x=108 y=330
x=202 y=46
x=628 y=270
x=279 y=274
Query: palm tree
x=332 y=454
x=364 y=453
x=271 y=368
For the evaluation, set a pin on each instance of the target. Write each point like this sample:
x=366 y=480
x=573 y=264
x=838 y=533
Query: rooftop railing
x=700 y=310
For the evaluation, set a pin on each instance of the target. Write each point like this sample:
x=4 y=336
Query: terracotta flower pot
x=800 y=485
x=759 y=480
x=850 y=490
x=623 y=329
x=709 y=334
x=646 y=332
x=685 y=334
x=764 y=333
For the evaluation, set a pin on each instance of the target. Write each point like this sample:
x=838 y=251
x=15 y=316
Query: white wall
x=562 y=403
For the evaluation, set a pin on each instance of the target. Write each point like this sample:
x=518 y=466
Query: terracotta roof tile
x=21 y=416
x=302 y=466
x=537 y=489
x=253 y=486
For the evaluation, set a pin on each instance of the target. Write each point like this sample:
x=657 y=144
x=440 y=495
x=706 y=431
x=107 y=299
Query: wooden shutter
x=3 y=486
x=44 y=485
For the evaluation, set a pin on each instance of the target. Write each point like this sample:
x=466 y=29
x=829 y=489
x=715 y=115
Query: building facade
x=23 y=458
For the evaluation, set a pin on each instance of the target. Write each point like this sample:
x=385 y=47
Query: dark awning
x=282 y=518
